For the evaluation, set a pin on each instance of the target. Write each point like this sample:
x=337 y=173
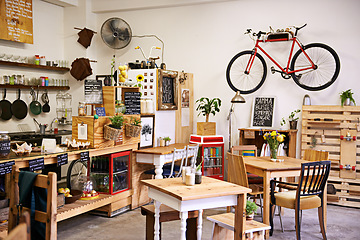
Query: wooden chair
x=315 y=155
x=237 y=174
x=308 y=194
x=21 y=231
x=49 y=217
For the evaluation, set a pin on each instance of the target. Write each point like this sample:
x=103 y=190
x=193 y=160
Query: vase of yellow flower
x=274 y=139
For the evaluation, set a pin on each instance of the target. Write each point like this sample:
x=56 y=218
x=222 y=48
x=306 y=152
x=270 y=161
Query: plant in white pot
x=346 y=98
x=206 y=107
x=251 y=208
x=167 y=140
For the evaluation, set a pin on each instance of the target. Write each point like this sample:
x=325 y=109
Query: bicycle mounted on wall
x=313 y=67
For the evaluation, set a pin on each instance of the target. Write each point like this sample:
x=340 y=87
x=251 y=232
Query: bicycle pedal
x=272 y=70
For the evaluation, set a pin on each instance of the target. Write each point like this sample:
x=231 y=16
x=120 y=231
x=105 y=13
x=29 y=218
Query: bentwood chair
x=309 y=194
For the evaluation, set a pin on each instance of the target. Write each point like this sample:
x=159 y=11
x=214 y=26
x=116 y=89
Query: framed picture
x=167 y=90
x=147 y=131
x=263 y=112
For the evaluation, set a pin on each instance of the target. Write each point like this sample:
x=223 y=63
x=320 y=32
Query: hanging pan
x=45 y=99
x=5 y=107
x=19 y=108
x=35 y=106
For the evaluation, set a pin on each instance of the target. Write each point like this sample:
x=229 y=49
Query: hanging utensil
x=45 y=99
x=19 y=107
x=5 y=106
x=35 y=106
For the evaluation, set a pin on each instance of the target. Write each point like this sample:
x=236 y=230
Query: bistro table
x=158 y=156
x=264 y=167
x=211 y=193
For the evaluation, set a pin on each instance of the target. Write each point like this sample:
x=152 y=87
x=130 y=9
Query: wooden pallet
x=315 y=124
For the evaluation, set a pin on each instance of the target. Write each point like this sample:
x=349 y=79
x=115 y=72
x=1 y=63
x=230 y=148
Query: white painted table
x=158 y=156
x=211 y=193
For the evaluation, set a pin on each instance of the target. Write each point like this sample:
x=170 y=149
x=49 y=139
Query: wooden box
x=206 y=128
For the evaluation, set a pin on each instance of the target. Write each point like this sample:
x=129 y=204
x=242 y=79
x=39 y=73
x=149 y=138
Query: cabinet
x=255 y=137
x=211 y=149
x=111 y=173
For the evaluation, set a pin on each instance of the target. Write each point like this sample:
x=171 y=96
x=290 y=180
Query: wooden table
x=264 y=167
x=211 y=193
x=158 y=156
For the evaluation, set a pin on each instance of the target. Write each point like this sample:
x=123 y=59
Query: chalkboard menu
x=84 y=156
x=62 y=159
x=6 y=167
x=36 y=164
x=168 y=90
x=132 y=102
x=16 y=20
x=93 y=91
x=263 y=112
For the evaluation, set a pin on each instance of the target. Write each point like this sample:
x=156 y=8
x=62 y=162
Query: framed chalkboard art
x=263 y=112
x=167 y=94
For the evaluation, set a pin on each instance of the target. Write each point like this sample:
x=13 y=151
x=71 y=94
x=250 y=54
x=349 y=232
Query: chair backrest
x=313 y=178
x=192 y=152
x=245 y=150
x=49 y=217
x=177 y=154
x=237 y=170
x=315 y=155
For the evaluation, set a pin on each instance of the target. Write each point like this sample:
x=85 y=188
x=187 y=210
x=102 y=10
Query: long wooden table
x=211 y=193
x=264 y=167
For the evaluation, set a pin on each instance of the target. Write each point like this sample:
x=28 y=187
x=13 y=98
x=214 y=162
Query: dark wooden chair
x=309 y=194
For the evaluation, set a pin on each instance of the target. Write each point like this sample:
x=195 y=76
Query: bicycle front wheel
x=77 y=170
x=327 y=67
x=243 y=80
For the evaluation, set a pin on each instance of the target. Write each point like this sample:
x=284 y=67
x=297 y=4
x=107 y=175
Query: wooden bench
x=223 y=227
x=168 y=214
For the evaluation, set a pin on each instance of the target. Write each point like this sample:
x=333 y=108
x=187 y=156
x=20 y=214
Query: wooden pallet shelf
x=347 y=117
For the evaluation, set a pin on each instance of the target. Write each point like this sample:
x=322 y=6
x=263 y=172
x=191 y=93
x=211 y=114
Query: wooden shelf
x=27 y=65
x=324 y=122
x=29 y=87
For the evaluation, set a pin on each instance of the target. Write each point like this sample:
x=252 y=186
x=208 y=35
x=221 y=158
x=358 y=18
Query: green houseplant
x=167 y=140
x=133 y=128
x=293 y=118
x=346 y=97
x=251 y=208
x=207 y=106
x=114 y=130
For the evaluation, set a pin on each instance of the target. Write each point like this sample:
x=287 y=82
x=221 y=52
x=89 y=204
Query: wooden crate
x=206 y=128
x=315 y=123
x=109 y=97
x=95 y=131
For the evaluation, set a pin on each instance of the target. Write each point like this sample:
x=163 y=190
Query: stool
x=223 y=227
x=168 y=214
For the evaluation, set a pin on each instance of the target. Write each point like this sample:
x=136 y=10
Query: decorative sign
x=263 y=111
x=167 y=90
x=36 y=164
x=100 y=111
x=84 y=156
x=62 y=159
x=6 y=167
x=93 y=91
x=132 y=102
x=5 y=147
x=16 y=20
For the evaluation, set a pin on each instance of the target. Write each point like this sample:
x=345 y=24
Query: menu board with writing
x=36 y=164
x=132 y=102
x=263 y=112
x=62 y=159
x=6 y=167
x=93 y=91
x=16 y=20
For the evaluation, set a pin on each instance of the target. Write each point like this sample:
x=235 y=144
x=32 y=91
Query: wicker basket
x=132 y=130
x=111 y=133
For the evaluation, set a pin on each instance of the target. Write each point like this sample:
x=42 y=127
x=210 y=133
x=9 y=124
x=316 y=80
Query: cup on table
x=185 y=170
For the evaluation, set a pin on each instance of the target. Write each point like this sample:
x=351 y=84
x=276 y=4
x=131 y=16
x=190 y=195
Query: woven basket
x=111 y=133
x=132 y=130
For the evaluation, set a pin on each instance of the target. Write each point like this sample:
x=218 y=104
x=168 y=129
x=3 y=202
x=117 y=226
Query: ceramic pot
x=250 y=217
x=293 y=124
x=347 y=102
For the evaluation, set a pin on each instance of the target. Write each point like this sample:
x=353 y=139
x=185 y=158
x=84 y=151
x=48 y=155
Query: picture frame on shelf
x=262 y=115
x=167 y=90
x=147 y=134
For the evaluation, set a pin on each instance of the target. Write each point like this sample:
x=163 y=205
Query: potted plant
x=167 y=140
x=133 y=128
x=251 y=208
x=198 y=172
x=114 y=130
x=206 y=107
x=293 y=118
x=346 y=98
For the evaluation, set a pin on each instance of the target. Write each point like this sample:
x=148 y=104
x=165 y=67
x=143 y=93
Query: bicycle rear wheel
x=77 y=170
x=240 y=80
x=327 y=67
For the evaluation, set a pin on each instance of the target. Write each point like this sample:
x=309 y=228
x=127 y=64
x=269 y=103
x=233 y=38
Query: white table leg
x=157 y=220
x=159 y=171
x=199 y=224
x=183 y=217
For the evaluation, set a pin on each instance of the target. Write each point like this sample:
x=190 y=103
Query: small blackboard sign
x=263 y=111
x=100 y=111
x=93 y=91
x=168 y=95
x=6 y=167
x=132 y=102
x=84 y=156
x=62 y=159
x=36 y=164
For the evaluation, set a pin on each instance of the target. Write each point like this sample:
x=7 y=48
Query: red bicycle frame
x=285 y=70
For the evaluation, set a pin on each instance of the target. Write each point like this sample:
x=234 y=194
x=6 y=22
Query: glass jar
x=82 y=109
x=4 y=144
